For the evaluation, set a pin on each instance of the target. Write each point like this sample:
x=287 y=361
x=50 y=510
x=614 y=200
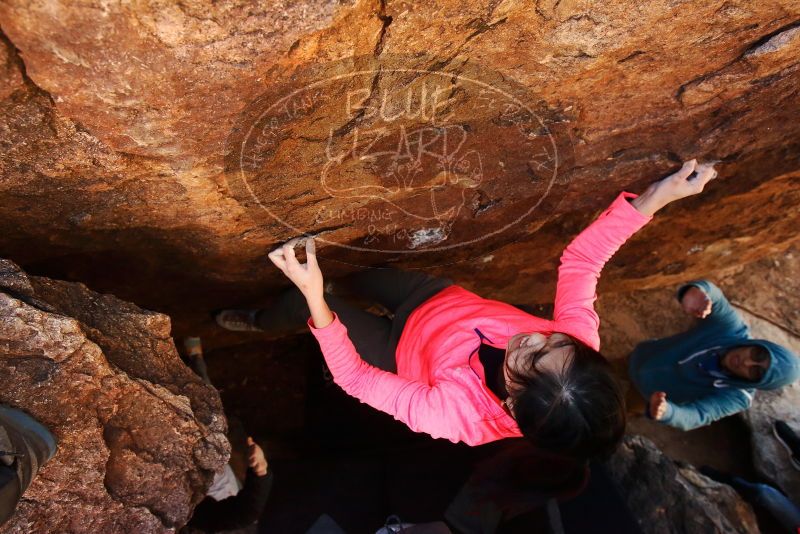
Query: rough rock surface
x=669 y=497
x=122 y=125
x=139 y=434
x=768 y=290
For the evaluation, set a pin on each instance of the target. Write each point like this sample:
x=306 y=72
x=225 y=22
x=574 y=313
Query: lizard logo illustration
x=430 y=161
x=375 y=156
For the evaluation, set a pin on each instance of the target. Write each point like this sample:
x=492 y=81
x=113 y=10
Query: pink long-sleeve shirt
x=440 y=387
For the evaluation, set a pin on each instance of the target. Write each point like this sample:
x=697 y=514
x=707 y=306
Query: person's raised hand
x=255 y=458
x=689 y=180
x=658 y=405
x=696 y=303
x=306 y=276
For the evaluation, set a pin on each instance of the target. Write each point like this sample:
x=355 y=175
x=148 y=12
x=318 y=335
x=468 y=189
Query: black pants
x=375 y=338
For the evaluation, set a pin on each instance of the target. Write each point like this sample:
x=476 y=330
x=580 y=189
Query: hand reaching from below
x=255 y=458
x=696 y=303
x=658 y=405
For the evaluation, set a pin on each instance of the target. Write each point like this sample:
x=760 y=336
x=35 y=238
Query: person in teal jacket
x=712 y=370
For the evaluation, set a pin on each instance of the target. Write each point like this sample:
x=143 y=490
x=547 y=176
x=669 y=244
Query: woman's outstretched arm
x=584 y=258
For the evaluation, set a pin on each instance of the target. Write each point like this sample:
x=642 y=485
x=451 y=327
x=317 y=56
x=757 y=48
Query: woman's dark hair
x=578 y=411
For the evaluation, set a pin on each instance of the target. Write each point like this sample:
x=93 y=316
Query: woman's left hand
x=306 y=276
x=689 y=180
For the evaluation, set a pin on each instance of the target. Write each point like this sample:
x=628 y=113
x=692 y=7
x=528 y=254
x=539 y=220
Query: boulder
x=179 y=142
x=184 y=141
x=139 y=435
x=669 y=497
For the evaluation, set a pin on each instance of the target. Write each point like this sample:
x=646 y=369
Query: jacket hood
x=784 y=367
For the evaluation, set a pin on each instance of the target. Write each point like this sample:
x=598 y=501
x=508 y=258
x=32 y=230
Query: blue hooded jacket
x=684 y=366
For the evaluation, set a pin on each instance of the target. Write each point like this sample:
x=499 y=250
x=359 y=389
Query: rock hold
x=775 y=40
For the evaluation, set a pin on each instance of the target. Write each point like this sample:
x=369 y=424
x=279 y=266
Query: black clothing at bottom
x=239 y=511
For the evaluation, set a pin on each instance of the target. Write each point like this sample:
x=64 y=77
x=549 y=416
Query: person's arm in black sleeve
x=244 y=508
x=238 y=511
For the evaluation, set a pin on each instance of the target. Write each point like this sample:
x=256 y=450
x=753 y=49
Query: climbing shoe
x=193 y=347
x=238 y=320
x=25 y=446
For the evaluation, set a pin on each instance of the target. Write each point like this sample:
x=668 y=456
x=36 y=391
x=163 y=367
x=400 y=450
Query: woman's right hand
x=306 y=276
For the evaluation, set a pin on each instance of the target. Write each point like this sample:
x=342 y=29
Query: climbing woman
x=457 y=366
